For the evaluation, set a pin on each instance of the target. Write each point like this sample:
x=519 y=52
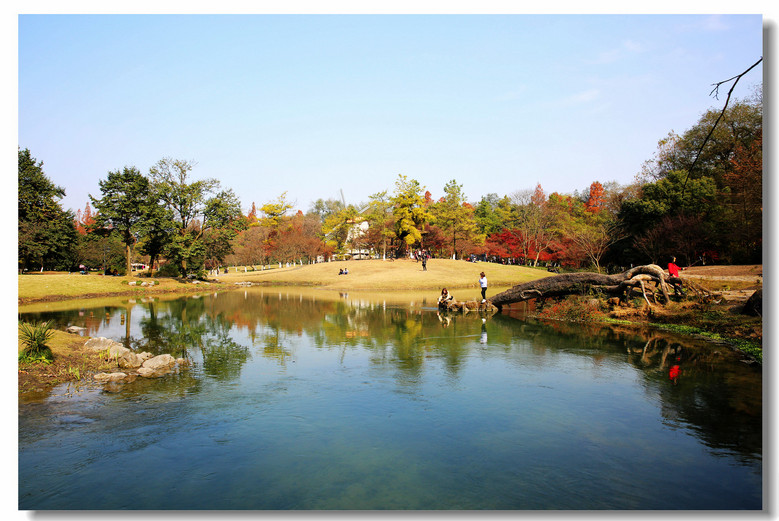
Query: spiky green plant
x=35 y=338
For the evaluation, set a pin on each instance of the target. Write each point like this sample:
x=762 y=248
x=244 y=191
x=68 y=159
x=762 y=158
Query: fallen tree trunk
x=581 y=283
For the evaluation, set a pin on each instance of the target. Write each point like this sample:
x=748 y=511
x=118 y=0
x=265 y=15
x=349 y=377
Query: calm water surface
x=312 y=400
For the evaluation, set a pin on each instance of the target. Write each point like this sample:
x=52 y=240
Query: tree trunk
x=129 y=252
x=580 y=283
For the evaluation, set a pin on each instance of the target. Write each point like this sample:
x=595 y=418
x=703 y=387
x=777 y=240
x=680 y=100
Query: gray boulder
x=159 y=362
x=100 y=343
x=76 y=329
x=110 y=377
x=130 y=360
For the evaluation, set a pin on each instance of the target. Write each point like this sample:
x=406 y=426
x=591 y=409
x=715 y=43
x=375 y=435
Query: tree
x=199 y=209
x=665 y=197
x=743 y=195
x=492 y=214
x=274 y=211
x=454 y=216
x=595 y=198
x=535 y=223
x=124 y=206
x=85 y=222
x=251 y=247
x=409 y=212
x=222 y=219
x=337 y=227
x=157 y=229
x=46 y=235
x=379 y=216
x=298 y=240
x=594 y=235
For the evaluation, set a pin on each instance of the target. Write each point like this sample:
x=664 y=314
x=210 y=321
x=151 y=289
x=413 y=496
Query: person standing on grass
x=483 y=284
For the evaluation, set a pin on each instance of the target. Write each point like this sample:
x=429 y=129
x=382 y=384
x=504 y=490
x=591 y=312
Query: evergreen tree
x=125 y=205
x=47 y=237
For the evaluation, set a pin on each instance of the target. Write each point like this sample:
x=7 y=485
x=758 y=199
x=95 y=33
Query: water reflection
x=700 y=387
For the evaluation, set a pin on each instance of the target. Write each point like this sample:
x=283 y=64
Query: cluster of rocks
x=136 y=364
x=469 y=305
x=144 y=283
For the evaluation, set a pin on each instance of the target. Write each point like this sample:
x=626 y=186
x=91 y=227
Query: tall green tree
x=124 y=207
x=47 y=237
x=454 y=216
x=493 y=214
x=379 y=216
x=156 y=229
x=199 y=209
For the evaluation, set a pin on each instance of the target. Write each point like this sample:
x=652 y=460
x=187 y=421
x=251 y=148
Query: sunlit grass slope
x=391 y=275
x=363 y=275
x=38 y=286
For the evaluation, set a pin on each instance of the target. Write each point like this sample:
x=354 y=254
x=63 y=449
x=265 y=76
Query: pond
x=308 y=399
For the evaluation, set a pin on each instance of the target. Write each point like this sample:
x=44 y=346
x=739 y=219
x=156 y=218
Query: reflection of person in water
x=483 y=339
x=444 y=319
x=673 y=373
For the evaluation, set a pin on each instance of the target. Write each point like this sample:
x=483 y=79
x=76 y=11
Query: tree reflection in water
x=713 y=393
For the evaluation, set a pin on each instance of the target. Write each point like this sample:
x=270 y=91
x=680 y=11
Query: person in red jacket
x=673 y=269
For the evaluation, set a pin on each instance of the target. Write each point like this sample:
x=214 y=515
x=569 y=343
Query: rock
x=110 y=377
x=145 y=355
x=132 y=283
x=117 y=350
x=159 y=362
x=130 y=360
x=100 y=343
x=76 y=329
x=149 y=373
x=754 y=304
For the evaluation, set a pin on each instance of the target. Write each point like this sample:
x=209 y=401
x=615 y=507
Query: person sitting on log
x=445 y=297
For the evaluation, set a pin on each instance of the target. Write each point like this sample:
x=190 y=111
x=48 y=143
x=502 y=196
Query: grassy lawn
x=365 y=274
x=390 y=275
x=33 y=287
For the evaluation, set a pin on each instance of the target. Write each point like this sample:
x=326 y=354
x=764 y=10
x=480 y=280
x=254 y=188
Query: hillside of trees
x=169 y=219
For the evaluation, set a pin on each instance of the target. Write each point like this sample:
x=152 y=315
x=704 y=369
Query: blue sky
x=314 y=104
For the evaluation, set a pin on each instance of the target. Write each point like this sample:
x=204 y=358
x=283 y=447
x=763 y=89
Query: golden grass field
x=402 y=274
x=363 y=275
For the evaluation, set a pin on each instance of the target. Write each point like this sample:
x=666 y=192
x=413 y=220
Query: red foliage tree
x=85 y=221
x=595 y=201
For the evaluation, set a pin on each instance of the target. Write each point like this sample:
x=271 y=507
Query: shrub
x=35 y=338
x=573 y=309
x=168 y=269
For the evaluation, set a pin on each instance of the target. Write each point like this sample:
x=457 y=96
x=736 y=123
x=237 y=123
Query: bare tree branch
x=715 y=92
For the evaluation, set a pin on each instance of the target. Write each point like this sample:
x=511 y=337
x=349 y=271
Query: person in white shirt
x=483 y=284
